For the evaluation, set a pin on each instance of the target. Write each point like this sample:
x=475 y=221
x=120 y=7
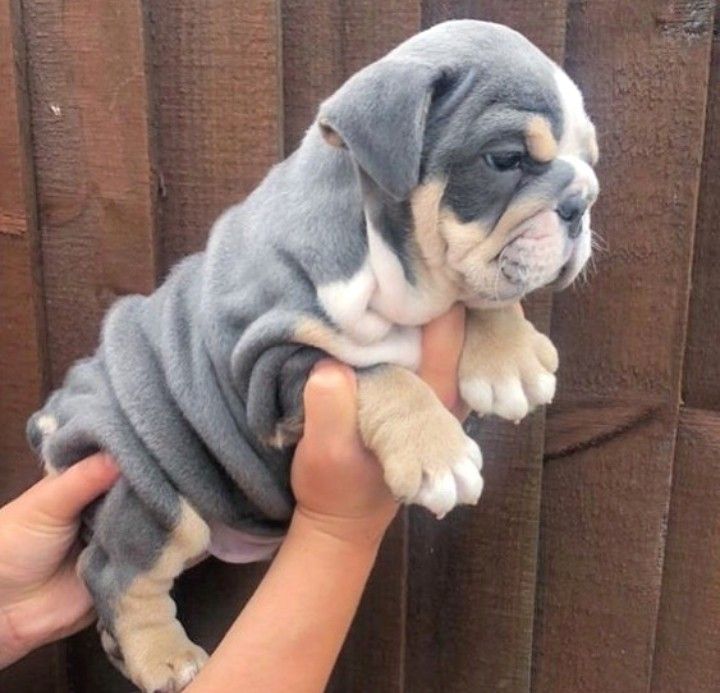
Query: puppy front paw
x=446 y=484
x=433 y=464
x=507 y=367
x=426 y=457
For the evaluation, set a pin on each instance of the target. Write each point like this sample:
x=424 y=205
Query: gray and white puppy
x=456 y=168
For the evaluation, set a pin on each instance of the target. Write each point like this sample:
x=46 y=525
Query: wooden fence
x=592 y=563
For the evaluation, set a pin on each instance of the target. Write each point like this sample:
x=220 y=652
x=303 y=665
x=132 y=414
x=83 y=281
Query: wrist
x=363 y=534
x=12 y=646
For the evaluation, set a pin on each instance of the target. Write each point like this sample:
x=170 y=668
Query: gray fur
x=188 y=382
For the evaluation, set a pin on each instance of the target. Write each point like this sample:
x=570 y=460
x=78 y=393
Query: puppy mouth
x=538 y=252
x=534 y=255
x=525 y=229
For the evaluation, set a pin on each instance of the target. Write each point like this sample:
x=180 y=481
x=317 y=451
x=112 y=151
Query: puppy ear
x=380 y=115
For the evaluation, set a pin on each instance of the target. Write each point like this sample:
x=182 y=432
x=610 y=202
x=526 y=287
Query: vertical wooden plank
x=323 y=44
x=22 y=366
x=95 y=189
x=687 y=650
x=471 y=577
x=610 y=439
x=313 y=61
x=701 y=386
x=687 y=647
x=94 y=181
x=22 y=355
x=216 y=85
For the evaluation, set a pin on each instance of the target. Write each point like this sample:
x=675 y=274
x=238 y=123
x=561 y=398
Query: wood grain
x=216 y=92
x=471 y=577
x=606 y=483
x=687 y=649
x=22 y=354
x=22 y=357
x=94 y=183
x=701 y=386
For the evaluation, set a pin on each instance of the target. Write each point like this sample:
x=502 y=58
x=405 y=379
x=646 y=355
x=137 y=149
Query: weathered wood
x=94 y=182
x=687 y=646
x=541 y=21
x=471 y=577
x=687 y=649
x=22 y=359
x=313 y=61
x=216 y=86
x=701 y=386
x=323 y=44
x=610 y=439
x=22 y=355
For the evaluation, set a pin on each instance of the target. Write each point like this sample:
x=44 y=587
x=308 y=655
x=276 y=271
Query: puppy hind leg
x=138 y=625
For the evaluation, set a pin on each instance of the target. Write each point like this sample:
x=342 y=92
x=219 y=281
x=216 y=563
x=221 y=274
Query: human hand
x=41 y=597
x=338 y=483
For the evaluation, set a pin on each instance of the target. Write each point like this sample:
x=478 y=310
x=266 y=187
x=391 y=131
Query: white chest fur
x=379 y=310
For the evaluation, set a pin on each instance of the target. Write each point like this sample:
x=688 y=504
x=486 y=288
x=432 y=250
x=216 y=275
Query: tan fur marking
x=592 y=146
x=156 y=651
x=286 y=433
x=425 y=205
x=315 y=333
x=407 y=427
x=541 y=143
x=507 y=367
x=472 y=243
x=330 y=136
x=462 y=238
x=398 y=346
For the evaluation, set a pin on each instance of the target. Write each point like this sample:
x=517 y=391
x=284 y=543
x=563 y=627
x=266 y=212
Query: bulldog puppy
x=456 y=168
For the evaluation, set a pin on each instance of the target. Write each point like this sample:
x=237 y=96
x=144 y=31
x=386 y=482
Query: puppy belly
x=235 y=546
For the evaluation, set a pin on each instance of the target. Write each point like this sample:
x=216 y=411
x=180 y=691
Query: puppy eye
x=503 y=161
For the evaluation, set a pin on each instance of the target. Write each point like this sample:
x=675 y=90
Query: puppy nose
x=571 y=210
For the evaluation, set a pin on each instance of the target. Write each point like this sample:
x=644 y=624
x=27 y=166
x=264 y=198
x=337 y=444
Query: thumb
x=330 y=404
x=59 y=499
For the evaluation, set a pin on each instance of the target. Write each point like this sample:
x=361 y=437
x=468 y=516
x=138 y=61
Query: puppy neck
x=406 y=254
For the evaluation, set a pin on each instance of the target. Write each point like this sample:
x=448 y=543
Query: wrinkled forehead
x=517 y=91
x=540 y=106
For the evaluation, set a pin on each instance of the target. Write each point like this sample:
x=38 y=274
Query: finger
x=330 y=403
x=442 y=343
x=61 y=498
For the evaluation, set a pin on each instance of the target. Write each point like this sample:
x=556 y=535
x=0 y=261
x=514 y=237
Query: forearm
x=291 y=631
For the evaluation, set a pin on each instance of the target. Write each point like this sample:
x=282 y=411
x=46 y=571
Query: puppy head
x=487 y=141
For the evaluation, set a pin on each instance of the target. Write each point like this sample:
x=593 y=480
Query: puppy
x=459 y=167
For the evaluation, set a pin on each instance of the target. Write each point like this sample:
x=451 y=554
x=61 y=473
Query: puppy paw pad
x=478 y=395
x=540 y=389
x=458 y=483
x=176 y=672
x=510 y=400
